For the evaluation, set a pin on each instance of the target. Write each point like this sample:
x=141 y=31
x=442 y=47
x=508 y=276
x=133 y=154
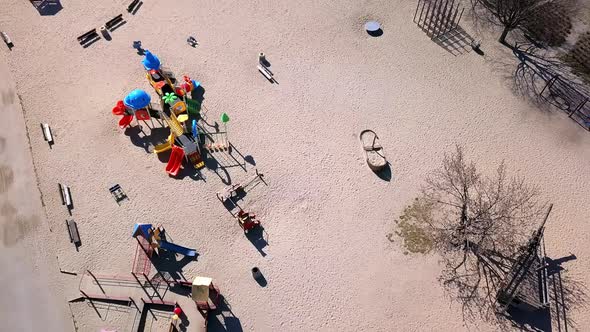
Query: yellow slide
x=165 y=146
x=175 y=126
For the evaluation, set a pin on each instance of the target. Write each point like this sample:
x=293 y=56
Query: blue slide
x=178 y=249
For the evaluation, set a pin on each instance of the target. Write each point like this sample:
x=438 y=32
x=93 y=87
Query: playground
x=226 y=176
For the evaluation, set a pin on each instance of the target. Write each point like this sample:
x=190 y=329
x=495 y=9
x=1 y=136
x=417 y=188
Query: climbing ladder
x=173 y=123
x=141 y=262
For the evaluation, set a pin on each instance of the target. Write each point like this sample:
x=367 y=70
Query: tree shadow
x=548 y=82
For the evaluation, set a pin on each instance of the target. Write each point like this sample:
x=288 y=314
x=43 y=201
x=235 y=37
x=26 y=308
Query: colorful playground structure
x=235 y=192
x=179 y=112
x=140 y=290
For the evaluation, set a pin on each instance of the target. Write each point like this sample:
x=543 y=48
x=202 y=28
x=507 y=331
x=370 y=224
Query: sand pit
x=324 y=254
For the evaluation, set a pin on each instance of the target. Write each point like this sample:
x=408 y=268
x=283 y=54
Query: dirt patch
x=6 y=178
x=14 y=228
x=412 y=227
x=8 y=97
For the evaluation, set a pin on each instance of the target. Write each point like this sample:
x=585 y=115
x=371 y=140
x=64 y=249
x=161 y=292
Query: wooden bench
x=73 y=232
x=88 y=35
x=114 y=23
x=132 y=6
x=118 y=193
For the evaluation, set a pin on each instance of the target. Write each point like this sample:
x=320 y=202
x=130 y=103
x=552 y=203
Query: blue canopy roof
x=142 y=229
x=150 y=61
x=137 y=99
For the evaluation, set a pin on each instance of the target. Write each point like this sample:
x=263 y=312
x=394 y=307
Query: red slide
x=119 y=109
x=125 y=121
x=175 y=161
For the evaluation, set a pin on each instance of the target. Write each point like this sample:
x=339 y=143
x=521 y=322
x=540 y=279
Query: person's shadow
x=554 y=265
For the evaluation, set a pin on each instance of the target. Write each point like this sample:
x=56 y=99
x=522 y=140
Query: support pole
x=436 y=15
x=134 y=304
x=549 y=84
x=428 y=17
x=451 y=28
x=162 y=276
x=445 y=19
x=416 y=12
x=579 y=107
x=421 y=12
x=145 y=306
x=96 y=280
x=459 y=20
x=152 y=285
x=140 y=284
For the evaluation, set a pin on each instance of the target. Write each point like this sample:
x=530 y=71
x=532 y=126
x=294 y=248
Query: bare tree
x=479 y=225
x=509 y=13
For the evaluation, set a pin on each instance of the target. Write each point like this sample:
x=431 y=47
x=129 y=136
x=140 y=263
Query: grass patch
x=412 y=227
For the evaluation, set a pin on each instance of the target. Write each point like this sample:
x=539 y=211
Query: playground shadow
x=385 y=174
x=214 y=126
x=212 y=164
x=167 y=263
x=456 y=41
x=256 y=237
x=247 y=159
x=250 y=160
x=150 y=308
x=224 y=319
x=564 y=293
x=140 y=138
x=538 y=321
x=47 y=7
x=198 y=94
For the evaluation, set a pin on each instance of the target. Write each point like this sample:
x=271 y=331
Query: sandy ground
x=328 y=263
